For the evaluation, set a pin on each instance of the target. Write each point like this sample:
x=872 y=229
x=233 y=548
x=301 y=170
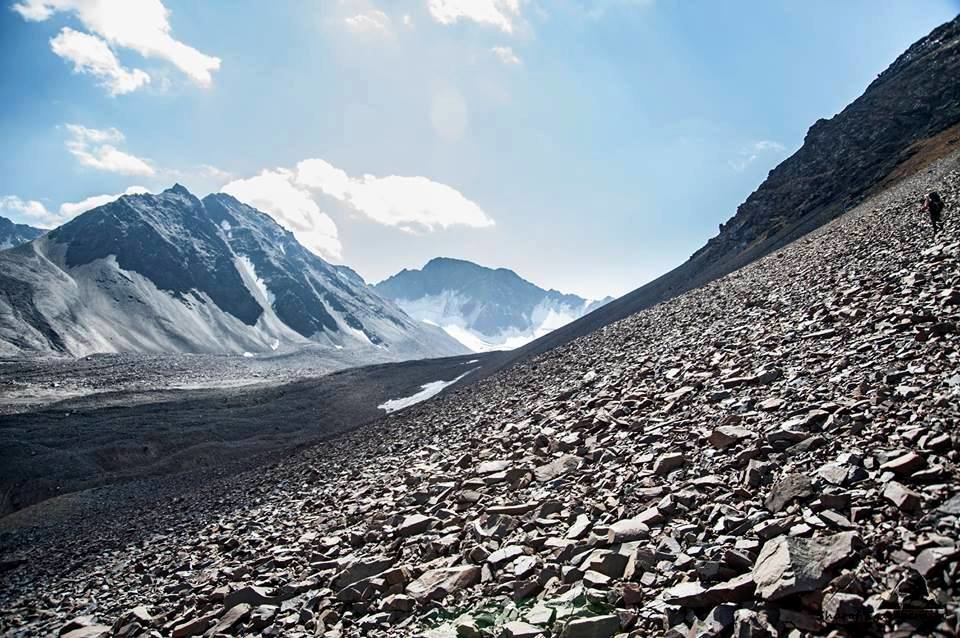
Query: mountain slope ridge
x=12 y=235
x=485 y=308
x=172 y=273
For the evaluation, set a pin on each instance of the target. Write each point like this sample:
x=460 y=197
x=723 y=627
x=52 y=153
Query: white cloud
x=27 y=211
x=92 y=148
x=140 y=25
x=208 y=170
x=497 y=13
x=408 y=203
x=292 y=206
x=506 y=55
x=768 y=145
x=34 y=212
x=749 y=154
x=91 y=55
x=370 y=21
x=69 y=210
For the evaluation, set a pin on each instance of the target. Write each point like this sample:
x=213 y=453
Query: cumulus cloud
x=212 y=172
x=95 y=148
x=506 y=55
x=751 y=153
x=370 y=21
x=408 y=203
x=292 y=206
x=35 y=213
x=91 y=55
x=139 y=25
x=28 y=211
x=501 y=14
x=69 y=210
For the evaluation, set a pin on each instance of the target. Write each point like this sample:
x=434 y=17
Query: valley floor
x=773 y=454
x=83 y=436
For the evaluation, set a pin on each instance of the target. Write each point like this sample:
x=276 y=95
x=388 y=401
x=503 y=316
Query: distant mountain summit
x=484 y=308
x=172 y=273
x=15 y=234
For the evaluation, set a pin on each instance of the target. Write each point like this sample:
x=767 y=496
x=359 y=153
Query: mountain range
x=483 y=308
x=12 y=234
x=172 y=273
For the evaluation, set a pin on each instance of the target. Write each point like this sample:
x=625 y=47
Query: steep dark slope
x=12 y=235
x=842 y=159
x=169 y=239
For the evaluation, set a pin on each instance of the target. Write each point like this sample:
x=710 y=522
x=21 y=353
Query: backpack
x=936 y=204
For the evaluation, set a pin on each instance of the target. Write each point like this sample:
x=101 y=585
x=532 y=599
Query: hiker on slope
x=934 y=205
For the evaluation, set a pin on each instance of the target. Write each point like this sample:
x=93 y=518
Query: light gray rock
x=437 y=583
x=593 y=627
x=788 y=565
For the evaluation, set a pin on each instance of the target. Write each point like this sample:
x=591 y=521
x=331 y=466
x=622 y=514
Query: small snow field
x=427 y=390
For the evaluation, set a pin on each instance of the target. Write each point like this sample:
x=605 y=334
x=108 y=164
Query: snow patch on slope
x=256 y=285
x=427 y=390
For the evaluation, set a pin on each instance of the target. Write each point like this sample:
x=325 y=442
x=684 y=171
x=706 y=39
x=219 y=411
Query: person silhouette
x=933 y=205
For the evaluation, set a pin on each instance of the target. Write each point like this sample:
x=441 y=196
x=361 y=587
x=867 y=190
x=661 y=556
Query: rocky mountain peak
x=170 y=272
x=179 y=189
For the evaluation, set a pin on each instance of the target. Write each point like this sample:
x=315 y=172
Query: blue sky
x=590 y=146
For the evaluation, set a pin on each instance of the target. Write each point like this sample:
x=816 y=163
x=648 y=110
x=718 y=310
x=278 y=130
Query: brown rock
x=789 y=565
x=904 y=498
x=437 y=583
x=557 y=467
x=788 y=488
x=843 y=609
x=727 y=435
x=667 y=463
x=905 y=465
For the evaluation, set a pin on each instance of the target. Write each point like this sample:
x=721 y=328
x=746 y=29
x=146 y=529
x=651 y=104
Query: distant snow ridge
x=482 y=308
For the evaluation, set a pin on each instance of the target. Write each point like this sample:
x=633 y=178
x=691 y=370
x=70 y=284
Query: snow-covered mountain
x=15 y=234
x=172 y=273
x=483 y=308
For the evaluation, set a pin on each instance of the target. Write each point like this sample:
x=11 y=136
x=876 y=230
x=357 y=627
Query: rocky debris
x=594 y=627
x=901 y=496
x=789 y=565
x=727 y=435
x=667 y=463
x=437 y=583
x=844 y=609
x=520 y=629
x=787 y=489
x=607 y=488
